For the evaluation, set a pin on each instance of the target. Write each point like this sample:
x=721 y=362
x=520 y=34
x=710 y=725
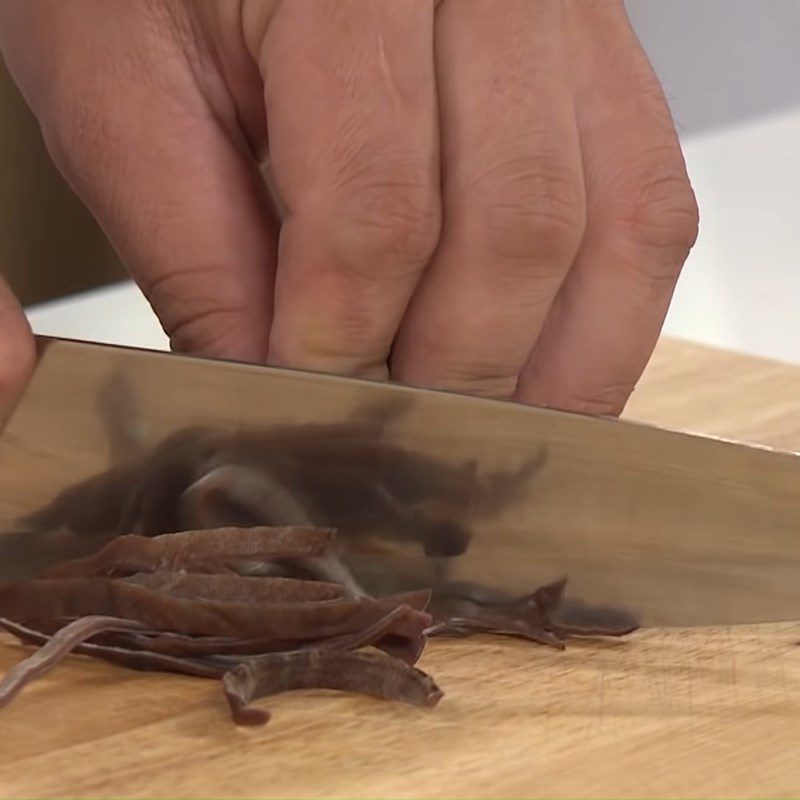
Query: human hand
x=480 y=196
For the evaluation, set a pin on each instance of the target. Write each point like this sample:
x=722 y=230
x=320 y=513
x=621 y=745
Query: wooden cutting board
x=687 y=713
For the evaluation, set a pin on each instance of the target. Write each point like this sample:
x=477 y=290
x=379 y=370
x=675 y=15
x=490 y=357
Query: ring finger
x=513 y=197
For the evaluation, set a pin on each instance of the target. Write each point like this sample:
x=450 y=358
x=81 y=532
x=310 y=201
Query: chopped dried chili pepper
x=237 y=588
x=76 y=597
x=533 y=616
x=132 y=659
x=58 y=646
x=205 y=551
x=177 y=602
x=383 y=634
x=365 y=673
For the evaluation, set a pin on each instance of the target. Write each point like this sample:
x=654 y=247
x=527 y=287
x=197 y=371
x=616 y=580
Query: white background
x=731 y=71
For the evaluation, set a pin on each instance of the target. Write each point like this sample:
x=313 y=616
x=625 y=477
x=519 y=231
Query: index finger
x=351 y=116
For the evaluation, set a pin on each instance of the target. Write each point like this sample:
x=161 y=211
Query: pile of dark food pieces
x=249 y=556
x=175 y=602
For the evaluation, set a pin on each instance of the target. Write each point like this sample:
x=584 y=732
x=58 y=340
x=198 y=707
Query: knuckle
x=529 y=208
x=386 y=212
x=663 y=214
x=199 y=309
x=397 y=222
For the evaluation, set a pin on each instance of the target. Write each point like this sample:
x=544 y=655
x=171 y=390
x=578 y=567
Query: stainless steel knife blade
x=424 y=486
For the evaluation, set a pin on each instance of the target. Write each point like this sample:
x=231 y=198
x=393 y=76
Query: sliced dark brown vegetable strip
x=237 y=589
x=189 y=602
x=132 y=659
x=530 y=611
x=464 y=626
x=533 y=616
x=579 y=619
x=77 y=597
x=58 y=646
x=406 y=646
x=380 y=635
x=407 y=649
x=365 y=673
x=205 y=551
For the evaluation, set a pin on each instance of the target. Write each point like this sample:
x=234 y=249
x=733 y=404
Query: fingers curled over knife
x=468 y=194
x=351 y=107
x=17 y=352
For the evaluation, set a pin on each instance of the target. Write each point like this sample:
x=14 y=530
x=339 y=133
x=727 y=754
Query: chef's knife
x=426 y=486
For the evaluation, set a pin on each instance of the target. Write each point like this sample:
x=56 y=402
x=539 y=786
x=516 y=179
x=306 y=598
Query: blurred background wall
x=50 y=245
x=722 y=62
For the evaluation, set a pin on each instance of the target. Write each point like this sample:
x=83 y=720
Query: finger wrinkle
x=220 y=332
x=485 y=381
x=606 y=400
x=205 y=311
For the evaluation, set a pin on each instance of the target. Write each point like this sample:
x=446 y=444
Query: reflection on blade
x=424 y=488
x=377 y=495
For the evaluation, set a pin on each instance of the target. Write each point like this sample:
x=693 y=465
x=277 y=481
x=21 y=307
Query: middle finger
x=512 y=191
x=353 y=139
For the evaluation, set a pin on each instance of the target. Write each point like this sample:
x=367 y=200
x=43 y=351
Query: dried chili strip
x=349 y=671
x=382 y=634
x=77 y=597
x=579 y=619
x=532 y=616
x=58 y=646
x=400 y=633
x=236 y=588
x=529 y=617
x=132 y=659
x=205 y=551
x=407 y=648
x=465 y=626
x=535 y=609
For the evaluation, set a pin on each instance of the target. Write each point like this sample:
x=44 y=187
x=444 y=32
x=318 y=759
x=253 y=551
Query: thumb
x=17 y=352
